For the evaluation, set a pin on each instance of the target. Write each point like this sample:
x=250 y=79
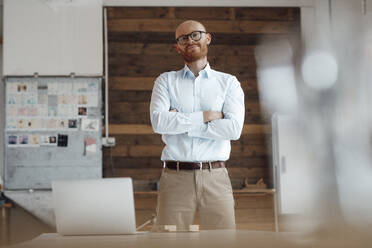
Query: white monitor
x=94 y=207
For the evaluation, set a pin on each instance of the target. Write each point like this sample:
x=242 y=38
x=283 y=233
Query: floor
x=18 y=226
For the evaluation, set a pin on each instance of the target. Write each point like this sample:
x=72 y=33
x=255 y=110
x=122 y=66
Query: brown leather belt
x=194 y=165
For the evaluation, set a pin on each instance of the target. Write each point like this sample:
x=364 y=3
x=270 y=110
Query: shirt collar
x=206 y=72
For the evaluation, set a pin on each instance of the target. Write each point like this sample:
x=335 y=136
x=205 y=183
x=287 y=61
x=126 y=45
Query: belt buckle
x=201 y=166
x=210 y=165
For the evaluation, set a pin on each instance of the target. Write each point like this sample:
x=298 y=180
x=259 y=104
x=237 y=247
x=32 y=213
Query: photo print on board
x=52 y=111
x=43 y=88
x=53 y=140
x=43 y=110
x=62 y=140
x=42 y=99
x=44 y=140
x=52 y=124
x=81 y=87
x=48 y=140
x=32 y=87
x=92 y=87
x=62 y=124
x=32 y=111
x=72 y=123
x=31 y=124
x=22 y=88
x=21 y=99
x=34 y=140
x=72 y=100
x=43 y=124
x=23 y=139
x=82 y=111
x=82 y=100
x=11 y=124
x=11 y=111
x=31 y=99
x=21 y=124
x=11 y=88
x=22 y=111
x=52 y=88
x=12 y=99
x=12 y=140
x=62 y=99
x=52 y=100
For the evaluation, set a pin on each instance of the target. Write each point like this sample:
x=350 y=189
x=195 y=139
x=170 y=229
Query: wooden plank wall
x=141 y=47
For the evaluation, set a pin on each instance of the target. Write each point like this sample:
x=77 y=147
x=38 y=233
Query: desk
x=213 y=239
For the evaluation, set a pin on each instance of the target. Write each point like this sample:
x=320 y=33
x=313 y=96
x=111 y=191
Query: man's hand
x=207 y=115
x=212 y=115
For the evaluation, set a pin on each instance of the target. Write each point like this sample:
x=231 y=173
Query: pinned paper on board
x=92 y=100
x=48 y=140
x=72 y=124
x=12 y=111
x=12 y=140
x=62 y=140
x=23 y=139
x=90 y=145
x=22 y=87
x=62 y=124
x=11 y=124
x=82 y=111
x=49 y=100
x=34 y=140
x=89 y=125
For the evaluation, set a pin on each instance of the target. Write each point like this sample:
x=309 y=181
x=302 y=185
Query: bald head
x=192 y=48
x=188 y=26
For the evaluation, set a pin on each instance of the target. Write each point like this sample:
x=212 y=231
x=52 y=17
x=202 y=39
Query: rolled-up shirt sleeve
x=165 y=122
x=230 y=127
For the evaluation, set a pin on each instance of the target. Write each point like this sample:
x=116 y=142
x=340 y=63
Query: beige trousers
x=206 y=192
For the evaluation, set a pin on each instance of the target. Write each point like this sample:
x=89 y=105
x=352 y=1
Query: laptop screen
x=94 y=206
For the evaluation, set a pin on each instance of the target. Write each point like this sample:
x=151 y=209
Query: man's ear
x=176 y=47
x=209 y=38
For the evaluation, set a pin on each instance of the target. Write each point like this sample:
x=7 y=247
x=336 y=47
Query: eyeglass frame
x=189 y=35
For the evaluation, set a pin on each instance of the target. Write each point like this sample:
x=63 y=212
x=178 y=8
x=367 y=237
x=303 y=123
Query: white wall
x=350 y=20
x=53 y=37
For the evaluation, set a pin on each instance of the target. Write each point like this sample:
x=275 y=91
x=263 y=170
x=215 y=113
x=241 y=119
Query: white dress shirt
x=187 y=138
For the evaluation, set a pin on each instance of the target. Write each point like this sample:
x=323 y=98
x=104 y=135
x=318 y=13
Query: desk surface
x=215 y=238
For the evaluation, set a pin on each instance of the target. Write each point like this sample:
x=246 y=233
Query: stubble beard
x=190 y=57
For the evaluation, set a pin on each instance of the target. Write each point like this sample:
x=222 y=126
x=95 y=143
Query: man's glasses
x=195 y=36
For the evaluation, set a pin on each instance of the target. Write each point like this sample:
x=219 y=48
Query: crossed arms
x=225 y=125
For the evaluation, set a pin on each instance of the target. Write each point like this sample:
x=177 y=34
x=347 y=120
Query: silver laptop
x=94 y=207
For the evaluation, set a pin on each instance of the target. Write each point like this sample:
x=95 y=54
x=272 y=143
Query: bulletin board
x=52 y=130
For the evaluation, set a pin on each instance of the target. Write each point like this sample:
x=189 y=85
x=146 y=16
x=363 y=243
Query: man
x=198 y=111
